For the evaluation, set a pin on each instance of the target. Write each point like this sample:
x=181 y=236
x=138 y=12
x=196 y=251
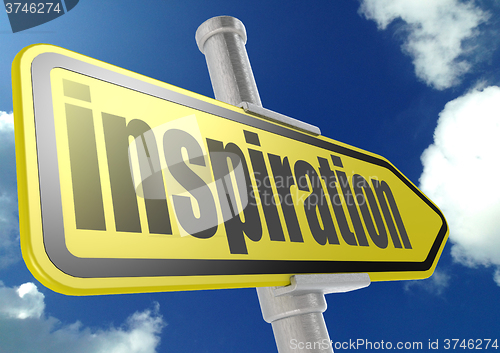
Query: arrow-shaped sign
x=127 y=184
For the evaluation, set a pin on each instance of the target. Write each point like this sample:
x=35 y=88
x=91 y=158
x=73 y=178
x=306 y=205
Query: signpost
x=295 y=311
x=128 y=184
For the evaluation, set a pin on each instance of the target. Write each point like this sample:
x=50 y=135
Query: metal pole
x=295 y=311
x=222 y=39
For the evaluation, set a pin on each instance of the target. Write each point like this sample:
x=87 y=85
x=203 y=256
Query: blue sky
x=414 y=81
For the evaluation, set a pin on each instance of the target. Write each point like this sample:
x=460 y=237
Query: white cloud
x=9 y=224
x=24 y=328
x=461 y=170
x=21 y=303
x=437 y=31
x=496 y=277
x=436 y=284
x=6 y=121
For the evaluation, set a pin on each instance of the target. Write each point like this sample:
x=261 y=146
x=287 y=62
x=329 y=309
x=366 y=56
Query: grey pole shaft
x=296 y=320
x=222 y=40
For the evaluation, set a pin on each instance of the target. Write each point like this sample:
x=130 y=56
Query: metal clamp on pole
x=280 y=118
x=295 y=311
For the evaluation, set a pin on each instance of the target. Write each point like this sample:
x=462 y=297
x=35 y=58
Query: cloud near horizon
x=437 y=34
x=460 y=171
x=22 y=315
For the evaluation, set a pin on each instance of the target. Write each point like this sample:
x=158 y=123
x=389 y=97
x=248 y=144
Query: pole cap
x=216 y=25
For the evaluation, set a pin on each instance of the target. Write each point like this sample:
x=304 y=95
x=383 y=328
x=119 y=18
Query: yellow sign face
x=127 y=184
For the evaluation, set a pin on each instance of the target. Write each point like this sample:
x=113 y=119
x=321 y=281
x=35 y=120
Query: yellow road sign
x=127 y=184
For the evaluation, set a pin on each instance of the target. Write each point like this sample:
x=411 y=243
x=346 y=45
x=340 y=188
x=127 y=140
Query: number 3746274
x=34 y=7
x=456 y=343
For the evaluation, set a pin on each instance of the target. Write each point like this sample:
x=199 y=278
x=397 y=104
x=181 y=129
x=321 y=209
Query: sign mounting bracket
x=279 y=118
x=324 y=283
x=296 y=311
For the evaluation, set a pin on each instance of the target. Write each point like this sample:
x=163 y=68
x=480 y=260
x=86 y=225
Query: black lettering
x=85 y=177
x=384 y=194
x=331 y=183
x=76 y=90
x=351 y=207
x=283 y=179
x=116 y=133
x=315 y=201
x=366 y=201
x=236 y=228
x=265 y=189
x=205 y=225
